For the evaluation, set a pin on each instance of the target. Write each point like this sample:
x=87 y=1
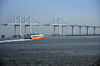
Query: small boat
x=34 y=36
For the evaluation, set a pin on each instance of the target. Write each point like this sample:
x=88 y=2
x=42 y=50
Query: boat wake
x=16 y=40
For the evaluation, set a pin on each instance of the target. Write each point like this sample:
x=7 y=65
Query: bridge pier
x=80 y=30
x=30 y=31
x=54 y=29
x=25 y=29
x=14 y=29
x=72 y=29
x=87 y=30
x=67 y=30
x=94 y=30
x=62 y=30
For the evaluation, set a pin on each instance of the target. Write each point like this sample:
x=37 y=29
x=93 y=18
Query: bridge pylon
x=57 y=23
x=19 y=21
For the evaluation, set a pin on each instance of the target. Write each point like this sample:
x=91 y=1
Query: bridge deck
x=36 y=24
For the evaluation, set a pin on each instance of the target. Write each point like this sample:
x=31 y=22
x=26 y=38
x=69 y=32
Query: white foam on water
x=16 y=40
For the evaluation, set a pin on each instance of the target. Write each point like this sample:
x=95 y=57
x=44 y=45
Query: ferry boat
x=34 y=36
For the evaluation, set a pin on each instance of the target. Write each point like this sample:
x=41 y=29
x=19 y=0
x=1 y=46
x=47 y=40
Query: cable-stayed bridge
x=29 y=21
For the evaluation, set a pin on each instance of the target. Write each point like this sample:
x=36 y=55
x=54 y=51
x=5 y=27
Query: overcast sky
x=82 y=12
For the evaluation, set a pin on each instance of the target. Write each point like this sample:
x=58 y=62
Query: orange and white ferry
x=34 y=36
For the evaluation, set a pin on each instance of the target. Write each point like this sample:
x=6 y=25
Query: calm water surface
x=52 y=51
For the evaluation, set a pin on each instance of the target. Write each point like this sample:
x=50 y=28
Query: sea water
x=52 y=51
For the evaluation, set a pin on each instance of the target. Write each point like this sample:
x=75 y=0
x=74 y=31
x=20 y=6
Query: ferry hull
x=38 y=38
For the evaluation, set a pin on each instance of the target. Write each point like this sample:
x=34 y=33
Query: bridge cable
x=35 y=20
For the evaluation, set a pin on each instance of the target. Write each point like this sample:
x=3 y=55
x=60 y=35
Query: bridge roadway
x=55 y=25
x=37 y=24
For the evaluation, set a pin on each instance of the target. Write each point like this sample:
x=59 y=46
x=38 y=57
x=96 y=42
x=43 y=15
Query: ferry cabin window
x=34 y=36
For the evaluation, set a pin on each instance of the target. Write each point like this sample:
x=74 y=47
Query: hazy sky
x=82 y=12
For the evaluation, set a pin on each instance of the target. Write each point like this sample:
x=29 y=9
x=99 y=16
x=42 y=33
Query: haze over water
x=52 y=51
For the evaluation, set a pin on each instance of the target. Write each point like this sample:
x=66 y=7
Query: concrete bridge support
x=72 y=29
x=87 y=30
x=14 y=29
x=30 y=31
x=62 y=30
x=67 y=30
x=58 y=30
x=94 y=30
x=54 y=30
x=25 y=29
x=80 y=30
